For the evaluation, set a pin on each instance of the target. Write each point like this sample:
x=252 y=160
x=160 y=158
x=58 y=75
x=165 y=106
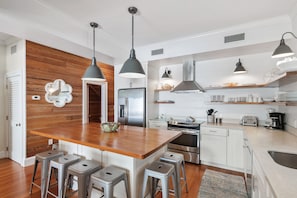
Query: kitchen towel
x=221 y=185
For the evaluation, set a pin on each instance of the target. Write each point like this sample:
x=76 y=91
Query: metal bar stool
x=44 y=158
x=60 y=164
x=162 y=171
x=107 y=178
x=82 y=170
x=178 y=161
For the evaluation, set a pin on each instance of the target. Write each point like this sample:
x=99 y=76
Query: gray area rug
x=221 y=185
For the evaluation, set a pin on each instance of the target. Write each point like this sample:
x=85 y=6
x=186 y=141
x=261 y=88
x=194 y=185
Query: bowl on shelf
x=110 y=126
x=230 y=84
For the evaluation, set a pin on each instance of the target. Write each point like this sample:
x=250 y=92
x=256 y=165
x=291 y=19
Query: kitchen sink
x=284 y=159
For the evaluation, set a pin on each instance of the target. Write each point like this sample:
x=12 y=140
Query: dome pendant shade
x=166 y=74
x=93 y=72
x=132 y=67
x=282 y=50
x=239 y=68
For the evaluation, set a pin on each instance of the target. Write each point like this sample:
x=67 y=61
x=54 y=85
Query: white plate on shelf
x=268 y=99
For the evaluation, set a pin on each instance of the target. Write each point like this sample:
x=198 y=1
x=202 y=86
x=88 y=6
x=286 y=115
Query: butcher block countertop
x=131 y=141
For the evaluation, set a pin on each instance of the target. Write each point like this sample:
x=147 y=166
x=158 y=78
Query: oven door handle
x=190 y=133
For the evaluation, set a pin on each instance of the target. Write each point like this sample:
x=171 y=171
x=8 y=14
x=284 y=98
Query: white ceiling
x=157 y=20
x=4 y=38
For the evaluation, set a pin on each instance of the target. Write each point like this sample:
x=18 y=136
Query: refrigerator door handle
x=122 y=111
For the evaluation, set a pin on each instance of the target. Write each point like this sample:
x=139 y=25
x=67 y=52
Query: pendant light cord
x=132 y=31
x=289 y=33
x=93 y=41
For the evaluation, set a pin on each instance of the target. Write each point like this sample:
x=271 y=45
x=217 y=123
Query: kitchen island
x=131 y=148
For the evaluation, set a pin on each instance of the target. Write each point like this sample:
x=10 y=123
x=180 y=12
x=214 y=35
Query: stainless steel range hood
x=189 y=84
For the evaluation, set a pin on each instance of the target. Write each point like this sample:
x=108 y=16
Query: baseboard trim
x=3 y=154
x=222 y=166
x=29 y=161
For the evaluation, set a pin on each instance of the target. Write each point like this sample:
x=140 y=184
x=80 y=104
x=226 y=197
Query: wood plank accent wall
x=43 y=65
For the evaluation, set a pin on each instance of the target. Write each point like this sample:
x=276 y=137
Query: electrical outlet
x=295 y=124
x=50 y=141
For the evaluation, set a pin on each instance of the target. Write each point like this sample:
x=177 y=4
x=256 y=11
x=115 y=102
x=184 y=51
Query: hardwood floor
x=15 y=180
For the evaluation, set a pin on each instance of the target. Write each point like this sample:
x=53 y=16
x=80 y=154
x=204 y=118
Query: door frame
x=85 y=100
x=19 y=73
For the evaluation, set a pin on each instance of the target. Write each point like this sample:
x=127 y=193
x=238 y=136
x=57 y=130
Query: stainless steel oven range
x=188 y=143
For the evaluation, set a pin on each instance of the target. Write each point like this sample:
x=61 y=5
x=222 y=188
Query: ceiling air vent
x=13 y=49
x=233 y=38
x=157 y=52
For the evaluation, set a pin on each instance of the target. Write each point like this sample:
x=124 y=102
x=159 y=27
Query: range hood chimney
x=189 y=84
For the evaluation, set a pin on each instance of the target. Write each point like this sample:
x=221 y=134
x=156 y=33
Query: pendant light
x=239 y=68
x=93 y=72
x=283 y=50
x=167 y=74
x=132 y=67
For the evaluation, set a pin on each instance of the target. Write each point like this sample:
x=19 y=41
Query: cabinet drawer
x=214 y=131
x=157 y=124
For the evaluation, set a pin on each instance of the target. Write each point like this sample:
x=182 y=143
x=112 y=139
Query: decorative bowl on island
x=110 y=126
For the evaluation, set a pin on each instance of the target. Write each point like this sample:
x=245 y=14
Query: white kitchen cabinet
x=260 y=186
x=222 y=147
x=213 y=145
x=158 y=124
x=235 y=149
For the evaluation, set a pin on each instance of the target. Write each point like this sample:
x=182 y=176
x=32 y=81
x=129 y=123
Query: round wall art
x=58 y=92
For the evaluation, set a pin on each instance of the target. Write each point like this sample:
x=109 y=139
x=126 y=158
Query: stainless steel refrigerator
x=131 y=107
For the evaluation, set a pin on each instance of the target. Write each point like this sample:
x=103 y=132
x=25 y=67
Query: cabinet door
x=269 y=191
x=259 y=182
x=235 y=149
x=213 y=148
x=256 y=193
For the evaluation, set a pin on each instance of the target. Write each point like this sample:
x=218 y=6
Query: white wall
x=217 y=72
x=16 y=61
x=257 y=32
x=2 y=102
x=291 y=111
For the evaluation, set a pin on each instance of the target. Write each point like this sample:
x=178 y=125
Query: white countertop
x=283 y=180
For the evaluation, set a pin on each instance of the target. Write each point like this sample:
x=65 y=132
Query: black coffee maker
x=277 y=120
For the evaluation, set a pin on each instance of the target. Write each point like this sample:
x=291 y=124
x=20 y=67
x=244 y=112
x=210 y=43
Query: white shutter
x=14 y=98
